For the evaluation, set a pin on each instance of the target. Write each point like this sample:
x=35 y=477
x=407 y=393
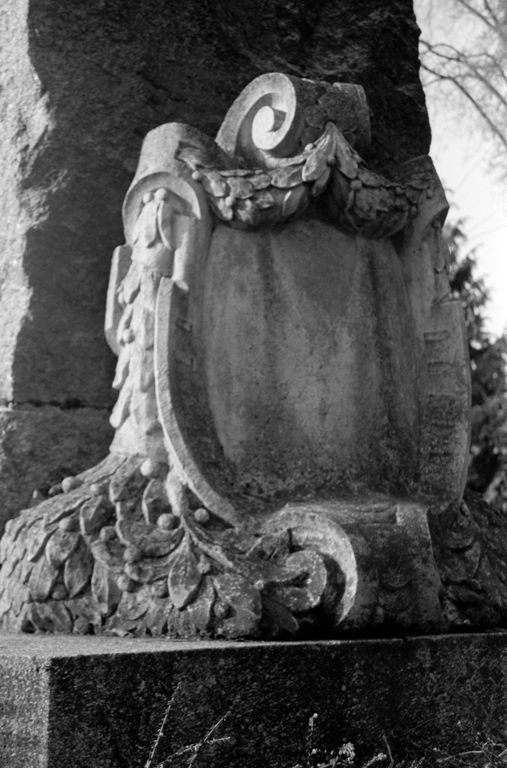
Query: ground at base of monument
x=85 y=702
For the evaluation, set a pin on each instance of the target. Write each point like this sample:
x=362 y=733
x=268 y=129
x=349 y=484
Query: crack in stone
x=70 y=404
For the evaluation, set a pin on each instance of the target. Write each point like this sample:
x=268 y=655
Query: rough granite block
x=70 y=702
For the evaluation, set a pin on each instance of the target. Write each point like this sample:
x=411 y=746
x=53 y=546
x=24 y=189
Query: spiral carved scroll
x=276 y=116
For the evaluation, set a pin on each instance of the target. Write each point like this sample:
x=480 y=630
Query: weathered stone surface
x=470 y=542
x=41 y=446
x=257 y=369
x=82 y=84
x=94 y=703
x=285 y=362
x=24 y=712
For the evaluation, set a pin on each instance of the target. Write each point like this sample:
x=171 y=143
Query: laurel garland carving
x=114 y=556
x=470 y=540
x=362 y=201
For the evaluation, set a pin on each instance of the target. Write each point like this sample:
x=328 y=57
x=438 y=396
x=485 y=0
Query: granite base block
x=69 y=702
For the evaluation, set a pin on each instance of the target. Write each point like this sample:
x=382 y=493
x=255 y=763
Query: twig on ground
x=460 y=754
x=207 y=738
x=389 y=753
x=160 y=732
x=191 y=748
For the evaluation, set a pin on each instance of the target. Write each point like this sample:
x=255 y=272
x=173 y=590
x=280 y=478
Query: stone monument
x=293 y=394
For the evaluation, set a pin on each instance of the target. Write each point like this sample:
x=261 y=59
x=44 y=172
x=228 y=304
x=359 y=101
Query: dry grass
x=192 y=752
x=487 y=753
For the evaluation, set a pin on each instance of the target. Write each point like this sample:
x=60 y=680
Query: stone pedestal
x=97 y=703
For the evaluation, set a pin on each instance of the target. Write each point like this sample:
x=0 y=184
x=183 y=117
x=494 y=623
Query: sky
x=463 y=160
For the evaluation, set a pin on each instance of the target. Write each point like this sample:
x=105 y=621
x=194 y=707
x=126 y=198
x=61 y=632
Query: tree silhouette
x=488 y=465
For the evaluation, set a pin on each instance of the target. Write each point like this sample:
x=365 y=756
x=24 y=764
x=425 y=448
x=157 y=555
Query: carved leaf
x=101 y=550
x=39 y=537
x=78 y=569
x=217 y=551
x=104 y=588
x=52 y=616
x=214 y=184
x=156 y=616
x=154 y=501
x=142 y=572
x=328 y=142
x=247 y=213
x=124 y=324
x=11 y=560
x=184 y=577
x=193 y=156
x=264 y=200
x=260 y=181
x=278 y=617
x=42 y=579
x=25 y=569
x=93 y=516
x=158 y=543
x=13 y=528
x=200 y=609
x=122 y=368
x=222 y=208
x=294 y=201
x=59 y=547
x=143 y=408
x=19 y=599
x=321 y=183
x=165 y=225
x=126 y=484
x=14 y=552
x=122 y=406
x=132 y=606
x=244 y=602
x=367 y=204
x=180 y=624
x=346 y=160
x=131 y=286
x=287 y=177
x=240 y=188
x=236 y=172
x=144 y=321
x=147 y=378
x=146 y=230
x=315 y=166
x=85 y=614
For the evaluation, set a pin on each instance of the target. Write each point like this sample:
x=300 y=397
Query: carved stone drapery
x=293 y=392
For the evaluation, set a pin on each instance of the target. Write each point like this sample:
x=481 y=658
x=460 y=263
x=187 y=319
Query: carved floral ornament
x=280 y=363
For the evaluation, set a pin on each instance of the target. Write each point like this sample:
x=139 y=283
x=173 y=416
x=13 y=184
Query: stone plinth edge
x=98 y=702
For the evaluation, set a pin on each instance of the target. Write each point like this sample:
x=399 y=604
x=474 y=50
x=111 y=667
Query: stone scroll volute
x=293 y=392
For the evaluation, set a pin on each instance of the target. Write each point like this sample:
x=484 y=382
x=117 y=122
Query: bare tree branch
x=490 y=123
x=491 y=12
x=466 y=61
x=477 y=13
